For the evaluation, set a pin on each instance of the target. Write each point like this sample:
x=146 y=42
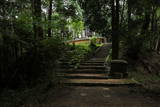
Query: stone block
x=119 y=67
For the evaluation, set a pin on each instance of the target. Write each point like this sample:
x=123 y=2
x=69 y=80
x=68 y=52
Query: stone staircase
x=91 y=73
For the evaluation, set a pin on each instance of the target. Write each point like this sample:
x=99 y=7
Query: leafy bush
x=80 y=52
x=77 y=53
x=93 y=41
x=134 y=46
x=39 y=63
x=35 y=65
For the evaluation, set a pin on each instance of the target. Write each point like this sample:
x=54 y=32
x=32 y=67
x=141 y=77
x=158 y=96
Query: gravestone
x=119 y=69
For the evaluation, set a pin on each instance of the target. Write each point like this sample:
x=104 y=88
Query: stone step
x=92 y=64
x=99 y=82
x=64 y=63
x=66 y=66
x=90 y=61
x=99 y=71
x=88 y=71
x=64 y=60
x=83 y=76
x=64 y=69
x=91 y=67
x=97 y=59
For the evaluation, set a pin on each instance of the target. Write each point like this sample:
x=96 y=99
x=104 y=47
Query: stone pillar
x=105 y=40
x=119 y=69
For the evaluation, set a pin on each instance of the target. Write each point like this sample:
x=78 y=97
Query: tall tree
x=97 y=15
x=122 y=13
x=37 y=19
x=115 y=28
x=50 y=18
x=129 y=13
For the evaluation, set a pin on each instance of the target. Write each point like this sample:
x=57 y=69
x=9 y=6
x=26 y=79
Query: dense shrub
x=75 y=54
x=79 y=53
x=34 y=65
x=134 y=46
x=93 y=43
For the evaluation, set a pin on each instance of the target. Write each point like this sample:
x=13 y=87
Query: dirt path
x=122 y=96
x=103 y=97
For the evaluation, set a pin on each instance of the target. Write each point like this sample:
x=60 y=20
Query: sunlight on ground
x=107 y=89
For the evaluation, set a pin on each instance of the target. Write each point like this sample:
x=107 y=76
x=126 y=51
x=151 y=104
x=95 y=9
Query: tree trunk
x=115 y=29
x=129 y=15
x=154 y=39
x=37 y=21
x=156 y=44
x=156 y=34
x=50 y=18
x=122 y=13
x=146 y=24
x=158 y=47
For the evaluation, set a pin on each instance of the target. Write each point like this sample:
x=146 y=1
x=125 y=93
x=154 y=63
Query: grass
x=99 y=45
x=84 y=45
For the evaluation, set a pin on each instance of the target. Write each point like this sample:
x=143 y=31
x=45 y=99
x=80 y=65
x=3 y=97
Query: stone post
x=105 y=40
x=119 y=69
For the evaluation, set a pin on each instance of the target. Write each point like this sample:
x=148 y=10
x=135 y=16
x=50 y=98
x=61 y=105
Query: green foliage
x=78 y=53
x=50 y=50
x=158 y=12
x=77 y=27
x=132 y=47
x=93 y=43
x=150 y=81
x=36 y=64
x=93 y=40
x=26 y=59
x=97 y=15
x=141 y=34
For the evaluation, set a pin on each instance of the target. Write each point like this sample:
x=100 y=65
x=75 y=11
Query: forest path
x=89 y=87
x=93 y=72
x=122 y=96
